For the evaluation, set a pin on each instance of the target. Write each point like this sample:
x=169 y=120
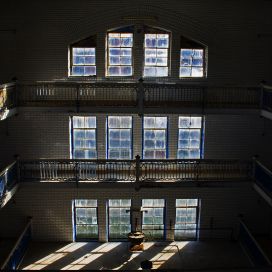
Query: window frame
x=197 y=209
x=72 y=149
x=202 y=137
x=71 y=61
x=108 y=135
x=108 y=217
x=107 y=63
x=154 y=207
x=166 y=137
x=191 y=66
x=157 y=31
x=74 y=207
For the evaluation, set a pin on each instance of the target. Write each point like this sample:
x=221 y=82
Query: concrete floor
x=98 y=256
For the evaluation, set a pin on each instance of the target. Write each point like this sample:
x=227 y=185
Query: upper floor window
x=191 y=63
x=155 y=138
x=83 y=61
x=119 y=137
x=84 y=137
x=156 y=55
x=190 y=137
x=119 y=54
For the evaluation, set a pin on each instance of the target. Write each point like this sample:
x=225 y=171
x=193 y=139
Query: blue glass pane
x=125 y=134
x=78 y=122
x=149 y=134
x=184 y=122
x=125 y=154
x=125 y=52
x=161 y=71
x=126 y=71
x=195 y=143
x=79 y=134
x=150 y=40
x=114 y=52
x=114 y=70
x=186 y=62
x=90 y=134
x=114 y=60
x=184 y=134
x=149 y=144
x=160 y=144
x=197 y=62
x=184 y=144
x=161 y=61
x=125 y=61
x=114 y=143
x=113 y=154
x=90 y=60
x=194 y=154
x=149 y=122
x=126 y=42
x=161 y=122
x=90 y=122
x=183 y=154
x=90 y=143
x=78 y=51
x=89 y=51
x=114 y=42
x=149 y=71
x=197 y=72
x=114 y=134
x=195 y=134
x=149 y=154
x=160 y=154
x=198 y=53
x=78 y=60
x=186 y=53
x=151 y=52
x=78 y=70
x=89 y=71
x=150 y=61
x=185 y=71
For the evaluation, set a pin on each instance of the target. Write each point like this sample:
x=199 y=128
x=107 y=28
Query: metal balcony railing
x=8 y=179
x=251 y=246
x=135 y=170
x=263 y=177
x=134 y=94
x=266 y=98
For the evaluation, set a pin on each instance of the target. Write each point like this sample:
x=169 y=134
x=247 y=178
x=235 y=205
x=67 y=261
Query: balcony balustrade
x=135 y=170
x=136 y=96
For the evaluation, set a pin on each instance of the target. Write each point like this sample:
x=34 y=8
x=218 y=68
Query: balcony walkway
x=137 y=97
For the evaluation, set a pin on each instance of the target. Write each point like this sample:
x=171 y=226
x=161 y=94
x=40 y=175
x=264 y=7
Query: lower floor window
x=85 y=219
x=186 y=219
x=153 y=218
x=119 y=218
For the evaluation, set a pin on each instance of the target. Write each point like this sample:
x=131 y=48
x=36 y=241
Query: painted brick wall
x=35 y=134
x=52 y=216
x=235 y=33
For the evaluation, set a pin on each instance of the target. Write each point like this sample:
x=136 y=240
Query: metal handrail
x=28 y=225
x=253 y=240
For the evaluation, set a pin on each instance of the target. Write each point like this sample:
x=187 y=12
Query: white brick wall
x=34 y=134
x=52 y=216
x=237 y=55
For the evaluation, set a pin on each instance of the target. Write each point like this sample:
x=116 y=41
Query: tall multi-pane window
x=153 y=218
x=85 y=219
x=155 y=138
x=84 y=137
x=191 y=63
x=190 y=137
x=119 y=218
x=83 y=61
x=156 y=55
x=119 y=54
x=119 y=137
x=186 y=218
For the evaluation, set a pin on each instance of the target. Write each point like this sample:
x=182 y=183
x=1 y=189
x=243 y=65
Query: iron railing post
x=140 y=96
x=138 y=168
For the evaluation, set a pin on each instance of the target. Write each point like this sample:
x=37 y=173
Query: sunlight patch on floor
x=57 y=255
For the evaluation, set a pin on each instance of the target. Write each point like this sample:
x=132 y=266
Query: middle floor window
x=119 y=144
x=155 y=138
